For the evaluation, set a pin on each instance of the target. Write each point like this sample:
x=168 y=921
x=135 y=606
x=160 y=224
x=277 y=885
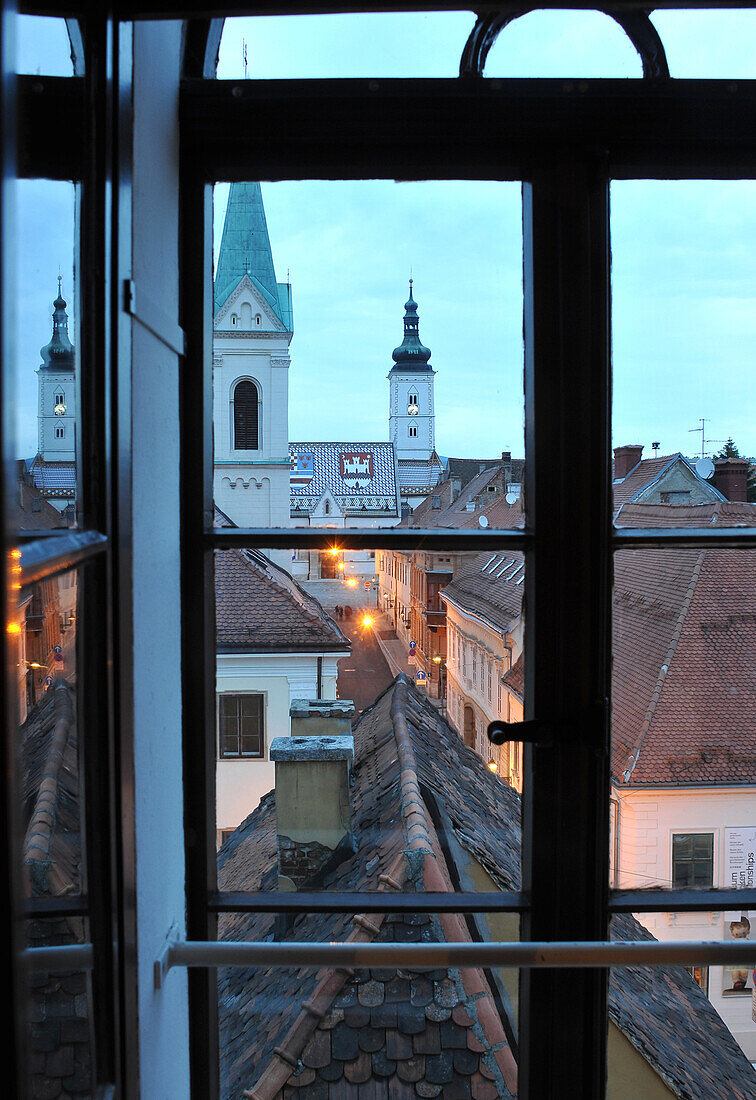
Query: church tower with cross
x=253 y=327
x=412 y=417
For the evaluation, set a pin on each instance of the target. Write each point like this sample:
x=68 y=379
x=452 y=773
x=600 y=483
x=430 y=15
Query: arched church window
x=413 y=429
x=258 y=319
x=233 y=320
x=327 y=508
x=246 y=416
x=59 y=433
x=60 y=398
x=412 y=405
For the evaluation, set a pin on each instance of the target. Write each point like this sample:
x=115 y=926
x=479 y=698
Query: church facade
x=260 y=478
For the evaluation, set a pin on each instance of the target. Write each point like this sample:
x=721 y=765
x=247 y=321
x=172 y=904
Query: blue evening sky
x=684 y=276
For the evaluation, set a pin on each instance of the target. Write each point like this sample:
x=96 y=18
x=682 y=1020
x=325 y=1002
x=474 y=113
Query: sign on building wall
x=740 y=874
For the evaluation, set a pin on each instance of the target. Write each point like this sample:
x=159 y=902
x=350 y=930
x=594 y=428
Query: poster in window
x=739 y=980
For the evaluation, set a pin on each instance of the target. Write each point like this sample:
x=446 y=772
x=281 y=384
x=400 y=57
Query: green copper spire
x=59 y=353
x=245 y=249
x=411 y=354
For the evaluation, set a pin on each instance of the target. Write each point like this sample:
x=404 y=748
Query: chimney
x=626 y=459
x=731 y=478
x=313 y=770
x=456 y=487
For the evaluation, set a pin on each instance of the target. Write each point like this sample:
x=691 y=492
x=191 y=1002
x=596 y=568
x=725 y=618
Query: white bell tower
x=56 y=398
x=412 y=422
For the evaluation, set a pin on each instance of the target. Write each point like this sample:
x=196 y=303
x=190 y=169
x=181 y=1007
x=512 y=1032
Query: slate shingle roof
x=377 y=492
x=383 y=1034
x=409 y=1033
x=492 y=587
x=260 y=608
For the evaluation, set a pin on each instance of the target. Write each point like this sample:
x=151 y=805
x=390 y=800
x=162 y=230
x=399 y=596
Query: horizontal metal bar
x=367 y=538
x=323 y=902
x=46 y=557
x=680 y=901
x=593 y=954
x=635 y=537
x=72 y=956
x=49 y=908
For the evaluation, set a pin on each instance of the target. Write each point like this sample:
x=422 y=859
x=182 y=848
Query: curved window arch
x=246 y=416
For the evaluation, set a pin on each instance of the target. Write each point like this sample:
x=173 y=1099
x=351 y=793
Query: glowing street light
x=493 y=766
x=352 y=582
x=367 y=620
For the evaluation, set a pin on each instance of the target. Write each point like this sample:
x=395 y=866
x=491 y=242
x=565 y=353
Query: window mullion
x=566 y=803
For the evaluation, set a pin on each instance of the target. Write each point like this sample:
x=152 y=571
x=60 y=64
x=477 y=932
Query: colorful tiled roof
x=361 y=477
x=54 y=479
x=417 y=476
x=419 y=1033
x=260 y=608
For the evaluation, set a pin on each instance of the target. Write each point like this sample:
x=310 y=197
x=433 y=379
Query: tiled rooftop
x=361 y=477
x=424 y=1033
x=259 y=607
x=492 y=586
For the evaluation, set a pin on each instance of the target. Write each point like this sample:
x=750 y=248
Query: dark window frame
x=692 y=860
x=565 y=142
x=223 y=696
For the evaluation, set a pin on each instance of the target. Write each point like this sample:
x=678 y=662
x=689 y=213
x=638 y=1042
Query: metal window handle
x=533 y=732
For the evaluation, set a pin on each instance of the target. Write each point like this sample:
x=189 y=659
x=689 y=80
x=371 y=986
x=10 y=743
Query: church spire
x=245 y=247
x=411 y=354
x=59 y=353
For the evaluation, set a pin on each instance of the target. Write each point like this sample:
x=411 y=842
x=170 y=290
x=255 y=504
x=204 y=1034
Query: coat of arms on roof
x=356 y=466
x=302 y=468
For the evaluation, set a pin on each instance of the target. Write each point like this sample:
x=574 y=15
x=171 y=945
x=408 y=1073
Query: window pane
x=684 y=326
x=301 y=432
x=385 y=44
x=710 y=44
x=563 y=43
x=44 y=46
x=684 y=733
x=700 y=1037
x=359 y=675
x=59 y=1007
x=46 y=379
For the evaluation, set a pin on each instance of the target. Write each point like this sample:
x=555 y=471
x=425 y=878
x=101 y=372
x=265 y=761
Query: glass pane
x=709 y=44
x=46 y=373
x=44 y=46
x=59 y=1015
x=44 y=632
x=563 y=43
x=354 y=700
x=385 y=44
x=302 y=432
x=683 y=332
x=683 y=736
x=661 y=1018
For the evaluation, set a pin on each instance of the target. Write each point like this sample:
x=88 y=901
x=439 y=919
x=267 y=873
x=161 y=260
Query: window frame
x=262 y=754
x=710 y=833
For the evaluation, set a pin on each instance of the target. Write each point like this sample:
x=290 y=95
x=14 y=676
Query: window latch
x=533 y=732
x=591 y=726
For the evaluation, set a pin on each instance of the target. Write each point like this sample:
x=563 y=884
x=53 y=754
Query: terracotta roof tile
x=260 y=608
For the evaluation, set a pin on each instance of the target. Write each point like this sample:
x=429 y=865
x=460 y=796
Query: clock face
x=60 y=409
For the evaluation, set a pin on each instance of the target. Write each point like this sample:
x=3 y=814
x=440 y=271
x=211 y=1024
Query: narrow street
x=363 y=675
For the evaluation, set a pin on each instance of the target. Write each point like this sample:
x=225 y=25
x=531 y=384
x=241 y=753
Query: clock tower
x=411 y=410
x=56 y=401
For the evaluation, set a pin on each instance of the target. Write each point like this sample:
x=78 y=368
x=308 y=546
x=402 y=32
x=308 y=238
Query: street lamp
x=367 y=620
x=438 y=660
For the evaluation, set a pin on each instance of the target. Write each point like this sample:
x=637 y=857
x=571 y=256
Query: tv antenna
x=704 y=421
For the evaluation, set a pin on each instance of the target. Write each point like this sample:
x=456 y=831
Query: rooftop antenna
x=704 y=421
x=656 y=447
x=244 y=59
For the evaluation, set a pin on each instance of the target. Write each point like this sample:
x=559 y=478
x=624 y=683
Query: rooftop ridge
x=38 y=837
x=662 y=677
x=286 y=1055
